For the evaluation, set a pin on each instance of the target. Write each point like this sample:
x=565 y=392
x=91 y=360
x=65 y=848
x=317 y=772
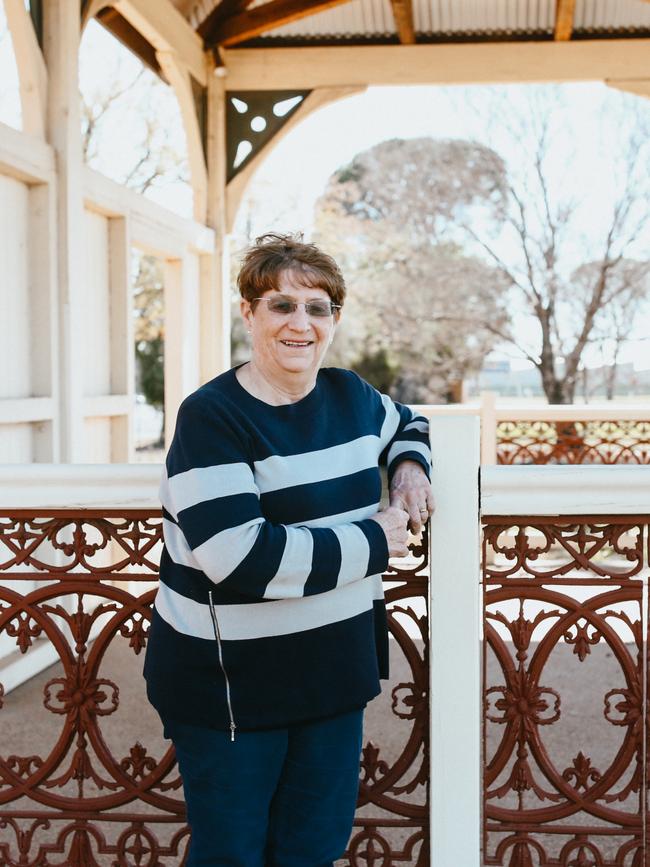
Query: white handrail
x=565 y=490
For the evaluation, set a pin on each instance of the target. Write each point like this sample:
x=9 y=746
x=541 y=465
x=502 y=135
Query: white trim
x=565 y=490
x=25 y=157
x=18 y=410
x=455 y=699
x=75 y=486
x=106 y=405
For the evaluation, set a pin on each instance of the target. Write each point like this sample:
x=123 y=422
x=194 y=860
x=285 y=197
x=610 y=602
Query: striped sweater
x=270 y=605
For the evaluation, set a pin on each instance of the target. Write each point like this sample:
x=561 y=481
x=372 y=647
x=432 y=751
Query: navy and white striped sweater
x=270 y=606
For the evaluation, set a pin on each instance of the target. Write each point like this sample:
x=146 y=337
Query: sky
x=284 y=191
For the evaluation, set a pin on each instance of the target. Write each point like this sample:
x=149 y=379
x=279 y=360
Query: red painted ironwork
x=85 y=581
x=573 y=442
x=565 y=707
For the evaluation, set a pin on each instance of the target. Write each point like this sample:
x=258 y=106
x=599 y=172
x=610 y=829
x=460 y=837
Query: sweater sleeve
x=213 y=520
x=404 y=436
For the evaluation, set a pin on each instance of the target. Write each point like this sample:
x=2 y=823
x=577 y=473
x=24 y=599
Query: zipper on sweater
x=217 y=635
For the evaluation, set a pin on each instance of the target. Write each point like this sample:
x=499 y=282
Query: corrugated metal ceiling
x=438 y=19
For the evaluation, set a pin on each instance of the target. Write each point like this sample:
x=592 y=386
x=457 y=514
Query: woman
x=269 y=631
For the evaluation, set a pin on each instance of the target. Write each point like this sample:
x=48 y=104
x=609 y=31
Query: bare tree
x=544 y=249
x=385 y=217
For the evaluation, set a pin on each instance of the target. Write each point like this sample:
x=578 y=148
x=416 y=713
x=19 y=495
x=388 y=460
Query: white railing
x=456 y=600
x=455 y=603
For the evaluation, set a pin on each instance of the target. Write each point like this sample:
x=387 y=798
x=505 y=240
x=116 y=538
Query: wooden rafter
x=403 y=15
x=224 y=10
x=129 y=36
x=253 y=22
x=564 y=14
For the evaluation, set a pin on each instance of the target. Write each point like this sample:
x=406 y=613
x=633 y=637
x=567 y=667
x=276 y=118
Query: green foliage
x=150 y=357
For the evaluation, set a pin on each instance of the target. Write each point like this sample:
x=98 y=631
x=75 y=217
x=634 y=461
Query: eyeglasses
x=286 y=306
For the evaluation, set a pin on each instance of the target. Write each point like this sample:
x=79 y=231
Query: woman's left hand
x=410 y=489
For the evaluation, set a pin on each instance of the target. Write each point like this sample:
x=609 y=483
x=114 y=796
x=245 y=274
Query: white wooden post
x=61 y=45
x=215 y=304
x=455 y=600
x=182 y=334
x=121 y=330
x=488 y=428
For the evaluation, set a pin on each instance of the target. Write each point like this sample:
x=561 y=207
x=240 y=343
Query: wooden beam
x=32 y=74
x=564 y=14
x=637 y=86
x=489 y=63
x=179 y=78
x=221 y=12
x=403 y=15
x=163 y=26
x=254 y=22
x=120 y=28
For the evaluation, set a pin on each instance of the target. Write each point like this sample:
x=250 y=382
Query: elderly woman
x=269 y=632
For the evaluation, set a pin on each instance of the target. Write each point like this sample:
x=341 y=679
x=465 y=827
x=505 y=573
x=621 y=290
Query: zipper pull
x=232 y=731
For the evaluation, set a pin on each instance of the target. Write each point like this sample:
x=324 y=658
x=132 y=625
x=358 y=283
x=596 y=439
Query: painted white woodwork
x=215 y=283
x=152 y=228
x=107 y=406
x=61 y=47
x=455 y=699
x=182 y=335
x=541 y=411
x=24 y=409
x=73 y=486
x=179 y=78
x=15 y=355
x=484 y=63
x=17 y=667
x=122 y=351
x=315 y=100
x=32 y=73
x=565 y=490
x=96 y=313
x=97 y=441
x=16 y=443
x=488 y=428
x=166 y=29
x=25 y=157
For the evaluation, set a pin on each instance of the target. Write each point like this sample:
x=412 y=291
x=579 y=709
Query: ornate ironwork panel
x=573 y=442
x=565 y=683
x=86 y=778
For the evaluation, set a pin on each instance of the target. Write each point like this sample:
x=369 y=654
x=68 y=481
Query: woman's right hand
x=393 y=522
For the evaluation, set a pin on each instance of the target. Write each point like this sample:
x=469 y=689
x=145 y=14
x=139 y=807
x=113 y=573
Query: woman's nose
x=299 y=320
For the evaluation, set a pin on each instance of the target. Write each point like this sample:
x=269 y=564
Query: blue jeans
x=276 y=798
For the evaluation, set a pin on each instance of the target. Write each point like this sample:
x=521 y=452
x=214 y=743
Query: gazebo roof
x=270 y=23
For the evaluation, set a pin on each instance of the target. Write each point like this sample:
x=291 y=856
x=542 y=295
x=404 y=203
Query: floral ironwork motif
x=573 y=442
x=88 y=583
x=557 y=589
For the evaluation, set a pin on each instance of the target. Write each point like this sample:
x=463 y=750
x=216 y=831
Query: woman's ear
x=246 y=313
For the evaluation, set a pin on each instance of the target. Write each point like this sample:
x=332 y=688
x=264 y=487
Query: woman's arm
x=214 y=522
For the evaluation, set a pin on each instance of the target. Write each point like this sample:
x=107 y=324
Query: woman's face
x=293 y=343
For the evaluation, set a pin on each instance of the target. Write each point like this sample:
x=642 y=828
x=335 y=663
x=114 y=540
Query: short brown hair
x=273 y=253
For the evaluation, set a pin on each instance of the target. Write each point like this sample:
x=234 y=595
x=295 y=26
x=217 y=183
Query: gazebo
x=244 y=74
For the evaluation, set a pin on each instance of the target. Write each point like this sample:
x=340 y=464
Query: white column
x=215 y=298
x=121 y=330
x=61 y=47
x=488 y=428
x=455 y=600
x=182 y=330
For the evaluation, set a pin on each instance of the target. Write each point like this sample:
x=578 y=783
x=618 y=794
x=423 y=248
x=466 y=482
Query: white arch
x=32 y=72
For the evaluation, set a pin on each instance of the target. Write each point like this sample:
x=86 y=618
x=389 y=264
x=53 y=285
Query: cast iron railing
x=100 y=785
x=565 y=690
